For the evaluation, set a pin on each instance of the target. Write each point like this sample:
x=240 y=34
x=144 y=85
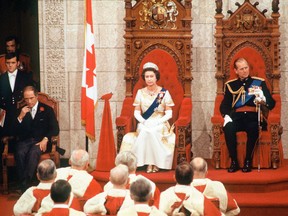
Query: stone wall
x=61 y=59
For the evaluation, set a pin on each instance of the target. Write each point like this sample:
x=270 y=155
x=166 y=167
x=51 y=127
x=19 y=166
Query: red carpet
x=6 y=204
x=265 y=180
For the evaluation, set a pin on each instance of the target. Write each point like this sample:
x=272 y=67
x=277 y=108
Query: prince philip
x=239 y=109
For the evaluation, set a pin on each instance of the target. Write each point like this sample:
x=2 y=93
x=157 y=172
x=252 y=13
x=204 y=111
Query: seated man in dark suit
x=35 y=125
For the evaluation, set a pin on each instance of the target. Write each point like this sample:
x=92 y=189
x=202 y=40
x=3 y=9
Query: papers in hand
x=2 y=117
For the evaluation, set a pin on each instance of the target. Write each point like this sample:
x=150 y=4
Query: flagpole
x=86 y=146
x=89 y=80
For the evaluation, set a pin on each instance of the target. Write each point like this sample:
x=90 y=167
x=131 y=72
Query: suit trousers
x=242 y=121
x=27 y=156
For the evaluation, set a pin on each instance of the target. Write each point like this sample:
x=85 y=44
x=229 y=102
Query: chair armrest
x=274 y=116
x=55 y=147
x=217 y=118
x=54 y=142
x=185 y=112
x=6 y=140
x=125 y=120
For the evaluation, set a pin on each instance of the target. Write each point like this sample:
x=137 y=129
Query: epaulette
x=259 y=78
x=25 y=54
x=230 y=81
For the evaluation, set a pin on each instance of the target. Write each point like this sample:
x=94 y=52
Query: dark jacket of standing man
x=34 y=130
x=9 y=95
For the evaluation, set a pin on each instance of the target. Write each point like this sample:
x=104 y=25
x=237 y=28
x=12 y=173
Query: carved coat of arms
x=248 y=22
x=158 y=14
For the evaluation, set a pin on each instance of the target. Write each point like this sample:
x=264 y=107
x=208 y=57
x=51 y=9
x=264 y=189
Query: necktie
x=33 y=112
x=12 y=81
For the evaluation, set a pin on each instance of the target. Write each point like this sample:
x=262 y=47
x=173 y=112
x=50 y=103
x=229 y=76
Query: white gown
x=152 y=145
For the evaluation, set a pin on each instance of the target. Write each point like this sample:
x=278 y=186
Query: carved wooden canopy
x=158 y=24
x=247 y=27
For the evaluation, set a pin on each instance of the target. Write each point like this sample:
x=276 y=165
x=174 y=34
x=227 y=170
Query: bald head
x=79 y=159
x=200 y=167
x=119 y=176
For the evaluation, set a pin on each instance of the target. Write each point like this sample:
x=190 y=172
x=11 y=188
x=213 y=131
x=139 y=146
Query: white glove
x=259 y=96
x=138 y=116
x=166 y=117
x=155 y=122
x=151 y=123
x=227 y=119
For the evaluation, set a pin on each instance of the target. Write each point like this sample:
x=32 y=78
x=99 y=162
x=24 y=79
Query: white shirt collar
x=35 y=106
x=14 y=73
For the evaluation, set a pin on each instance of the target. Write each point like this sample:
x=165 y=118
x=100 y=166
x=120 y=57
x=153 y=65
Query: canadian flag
x=89 y=81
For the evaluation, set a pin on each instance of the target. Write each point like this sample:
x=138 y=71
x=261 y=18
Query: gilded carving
x=267 y=42
x=179 y=45
x=248 y=22
x=228 y=43
x=158 y=14
x=138 y=44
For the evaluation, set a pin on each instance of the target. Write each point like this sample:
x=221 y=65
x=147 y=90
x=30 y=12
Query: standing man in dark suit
x=35 y=125
x=11 y=91
x=12 y=45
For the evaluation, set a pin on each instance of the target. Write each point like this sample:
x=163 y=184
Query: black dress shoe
x=233 y=167
x=247 y=166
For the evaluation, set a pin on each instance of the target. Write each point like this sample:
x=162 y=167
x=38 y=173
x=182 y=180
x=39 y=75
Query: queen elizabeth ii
x=154 y=140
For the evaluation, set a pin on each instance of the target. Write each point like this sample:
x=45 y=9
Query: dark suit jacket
x=9 y=99
x=43 y=125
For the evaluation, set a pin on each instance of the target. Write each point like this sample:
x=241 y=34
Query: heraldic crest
x=158 y=14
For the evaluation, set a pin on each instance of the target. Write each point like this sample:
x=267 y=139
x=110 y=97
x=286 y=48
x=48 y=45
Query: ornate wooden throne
x=159 y=31
x=248 y=33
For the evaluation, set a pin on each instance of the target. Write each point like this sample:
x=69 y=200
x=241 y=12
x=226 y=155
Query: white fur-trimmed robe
x=216 y=189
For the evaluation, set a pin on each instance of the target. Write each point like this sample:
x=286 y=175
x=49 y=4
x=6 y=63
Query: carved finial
x=128 y=4
x=238 y=4
x=256 y=4
x=275 y=6
x=230 y=12
x=219 y=4
x=264 y=11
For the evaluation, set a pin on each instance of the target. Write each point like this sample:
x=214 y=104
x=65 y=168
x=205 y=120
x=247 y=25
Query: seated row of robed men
x=73 y=191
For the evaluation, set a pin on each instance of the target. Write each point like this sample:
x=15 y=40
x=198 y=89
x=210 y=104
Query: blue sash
x=154 y=105
x=247 y=96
